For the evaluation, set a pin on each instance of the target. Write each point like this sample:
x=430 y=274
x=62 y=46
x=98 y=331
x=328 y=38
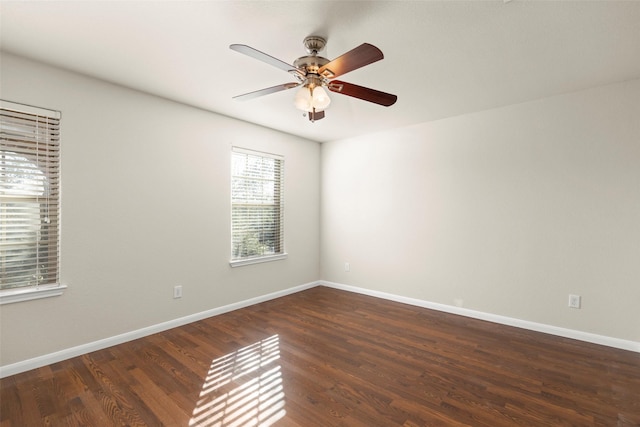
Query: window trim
x=258 y=259
x=9 y=296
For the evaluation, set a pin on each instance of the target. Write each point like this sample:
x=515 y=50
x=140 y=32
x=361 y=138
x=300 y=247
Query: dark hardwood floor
x=325 y=357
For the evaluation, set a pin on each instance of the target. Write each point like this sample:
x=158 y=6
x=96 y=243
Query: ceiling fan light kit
x=310 y=97
x=315 y=73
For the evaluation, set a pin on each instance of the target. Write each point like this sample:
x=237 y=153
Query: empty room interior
x=320 y=213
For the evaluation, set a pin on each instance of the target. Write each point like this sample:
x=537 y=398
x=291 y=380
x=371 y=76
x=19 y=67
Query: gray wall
x=505 y=211
x=146 y=206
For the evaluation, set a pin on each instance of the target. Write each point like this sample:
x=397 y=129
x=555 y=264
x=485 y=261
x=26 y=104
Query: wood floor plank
x=324 y=357
x=25 y=389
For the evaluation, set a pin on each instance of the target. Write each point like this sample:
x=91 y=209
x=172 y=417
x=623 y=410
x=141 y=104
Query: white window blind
x=256 y=204
x=29 y=196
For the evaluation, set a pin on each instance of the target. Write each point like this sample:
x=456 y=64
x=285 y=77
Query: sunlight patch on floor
x=243 y=388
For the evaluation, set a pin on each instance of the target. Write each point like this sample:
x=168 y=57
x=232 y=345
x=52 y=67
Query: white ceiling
x=441 y=58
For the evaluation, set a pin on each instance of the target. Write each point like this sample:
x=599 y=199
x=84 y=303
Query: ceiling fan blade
x=362 y=55
x=261 y=56
x=364 y=93
x=267 y=91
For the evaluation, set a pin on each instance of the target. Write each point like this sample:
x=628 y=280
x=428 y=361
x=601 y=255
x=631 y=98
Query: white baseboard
x=524 y=324
x=47 y=359
x=58 y=356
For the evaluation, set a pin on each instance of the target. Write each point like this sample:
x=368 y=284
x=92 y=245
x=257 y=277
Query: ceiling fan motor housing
x=311 y=64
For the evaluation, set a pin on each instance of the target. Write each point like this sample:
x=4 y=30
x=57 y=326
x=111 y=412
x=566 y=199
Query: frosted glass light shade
x=307 y=99
x=302 y=100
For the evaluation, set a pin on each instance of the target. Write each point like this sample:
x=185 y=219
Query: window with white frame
x=29 y=199
x=257 y=229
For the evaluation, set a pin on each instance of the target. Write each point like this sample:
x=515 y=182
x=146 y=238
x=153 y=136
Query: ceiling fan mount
x=314 y=44
x=314 y=73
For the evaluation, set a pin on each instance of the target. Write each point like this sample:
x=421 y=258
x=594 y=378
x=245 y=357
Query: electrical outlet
x=177 y=291
x=574 y=301
x=347 y=266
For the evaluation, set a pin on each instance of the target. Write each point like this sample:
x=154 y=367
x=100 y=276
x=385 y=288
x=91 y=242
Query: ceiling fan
x=313 y=73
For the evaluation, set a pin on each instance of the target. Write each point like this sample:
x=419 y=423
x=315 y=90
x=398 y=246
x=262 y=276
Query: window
x=29 y=202
x=256 y=207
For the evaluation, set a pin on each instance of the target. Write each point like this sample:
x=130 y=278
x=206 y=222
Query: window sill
x=257 y=260
x=18 y=295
